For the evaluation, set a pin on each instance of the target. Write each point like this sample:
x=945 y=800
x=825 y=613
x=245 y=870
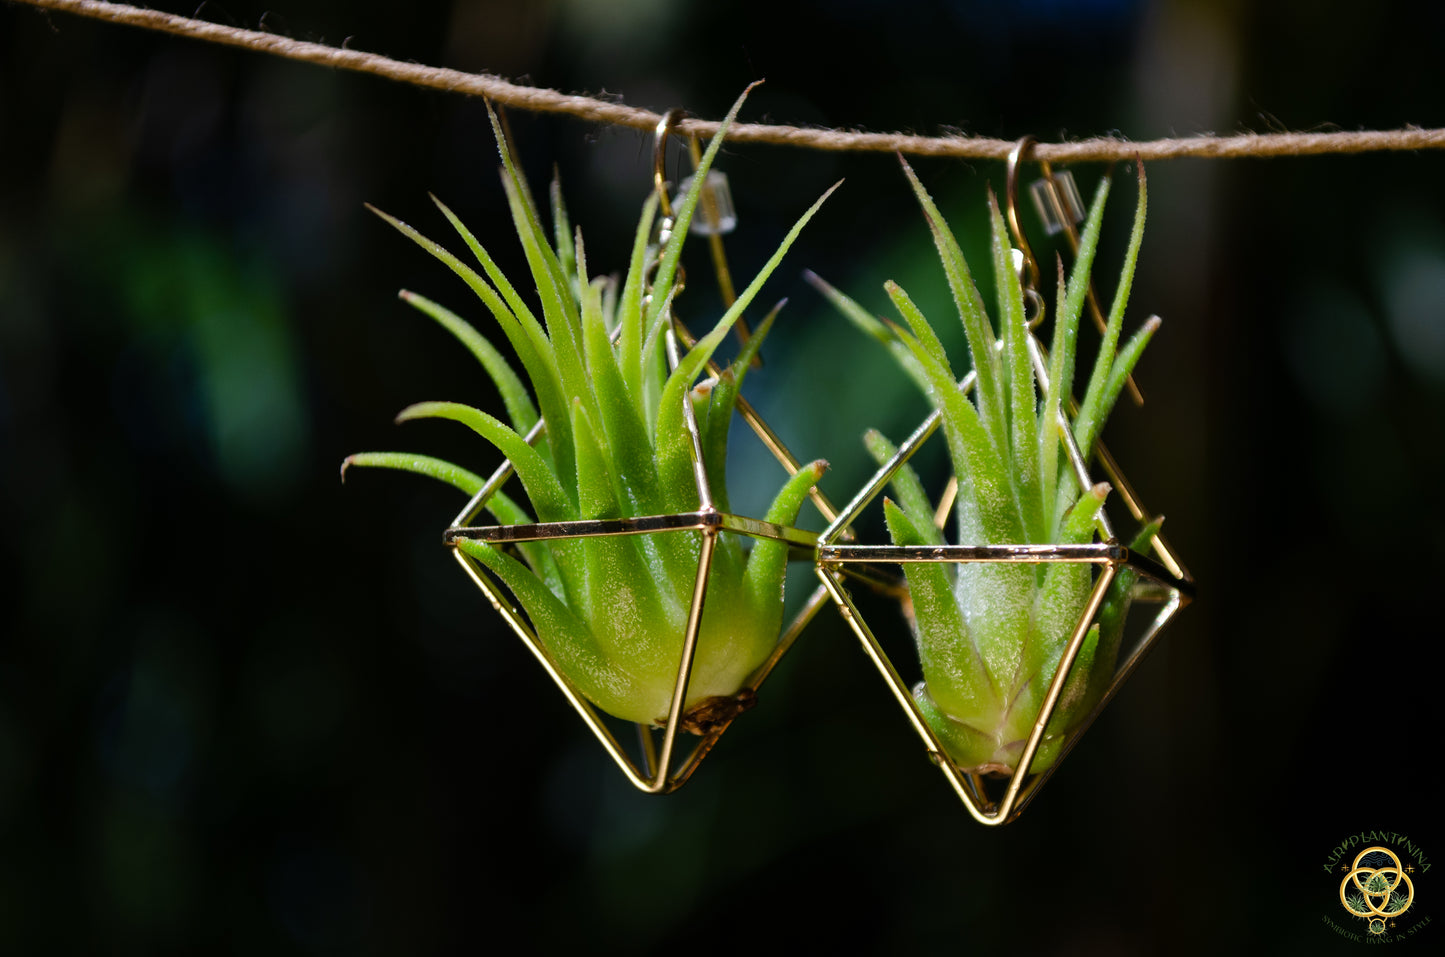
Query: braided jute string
x=602 y=111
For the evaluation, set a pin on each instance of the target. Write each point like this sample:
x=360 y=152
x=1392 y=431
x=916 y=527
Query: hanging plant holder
x=660 y=769
x=1160 y=579
x=624 y=575
x=1020 y=628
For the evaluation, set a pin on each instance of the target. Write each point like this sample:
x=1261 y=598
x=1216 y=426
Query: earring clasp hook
x=659 y=159
x=1059 y=210
x=1034 y=309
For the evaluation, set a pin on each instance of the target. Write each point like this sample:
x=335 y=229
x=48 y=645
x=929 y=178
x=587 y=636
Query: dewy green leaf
x=991 y=635
x=551 y=282
x=495 y=275
x=514 y=395
x=562 y=233
x=971 y=312
x=922 y=331
x=913 y=499
x=1062 y=594
x=768 y=561
x=963 y=682
x=986 y=505
x=547 y=494
x=623 y=430
x=873 y=326
x=563 y=326
x=442 y=471
x=1093 y=410
x=527 y=337
x=611 y=611
x=565 y=636
x=715 y=425
x=1071 y=299
x=1124 y=364
x=502 y=508
x=629 y=309
x=1019 y=371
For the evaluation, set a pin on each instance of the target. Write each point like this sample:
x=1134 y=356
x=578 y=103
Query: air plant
x=611 y=611
x=1356 y=904
x=990 y=636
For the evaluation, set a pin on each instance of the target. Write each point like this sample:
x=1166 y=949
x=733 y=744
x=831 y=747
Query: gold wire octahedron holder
x=1162 y=580
x=659 y=771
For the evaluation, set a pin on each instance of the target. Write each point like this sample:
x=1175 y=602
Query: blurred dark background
x=245 y=709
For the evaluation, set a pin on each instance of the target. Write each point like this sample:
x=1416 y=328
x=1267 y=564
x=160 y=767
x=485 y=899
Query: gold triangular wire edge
x=655 y=775
x=1022 y=785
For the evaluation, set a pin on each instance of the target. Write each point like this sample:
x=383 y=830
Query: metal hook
x=1029 y=274
x=659 y=159
x=659 y=183
x=1011 y=207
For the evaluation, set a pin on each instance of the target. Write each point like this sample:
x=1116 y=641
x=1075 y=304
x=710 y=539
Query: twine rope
x=1103 y=148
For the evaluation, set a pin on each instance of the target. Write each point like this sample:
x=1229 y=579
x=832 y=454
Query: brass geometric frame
x=658 y=772
x=1164 y=580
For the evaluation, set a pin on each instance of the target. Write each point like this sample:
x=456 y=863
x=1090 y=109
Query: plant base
x=1156 y=584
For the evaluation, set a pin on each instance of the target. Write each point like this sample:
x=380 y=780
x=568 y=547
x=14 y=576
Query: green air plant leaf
x=990 y=636
x=611 y=612
x=1396 y=903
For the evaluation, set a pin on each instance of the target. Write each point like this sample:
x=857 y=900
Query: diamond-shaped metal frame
x=1162 y=579
x=656 y=774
